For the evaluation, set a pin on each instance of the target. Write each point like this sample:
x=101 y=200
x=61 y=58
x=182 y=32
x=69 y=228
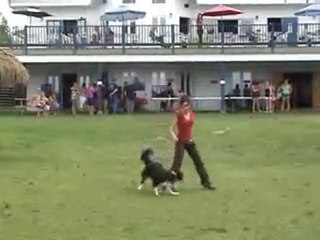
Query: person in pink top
x=89 y=92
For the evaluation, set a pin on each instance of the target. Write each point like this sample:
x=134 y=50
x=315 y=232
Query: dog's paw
x=139 y=188
x=156 y=192
x=174 y=193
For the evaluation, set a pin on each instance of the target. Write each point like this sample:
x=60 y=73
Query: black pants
x=200 y=36
x=195 y=156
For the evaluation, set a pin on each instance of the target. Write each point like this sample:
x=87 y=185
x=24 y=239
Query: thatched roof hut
x=12 y=72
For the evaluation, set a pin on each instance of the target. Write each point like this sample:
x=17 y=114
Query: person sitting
x=53 y=103
x=159 y=39
x=42 y=104
x=236 y=93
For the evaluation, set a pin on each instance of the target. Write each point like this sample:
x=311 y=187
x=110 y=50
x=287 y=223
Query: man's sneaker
x=208 y=186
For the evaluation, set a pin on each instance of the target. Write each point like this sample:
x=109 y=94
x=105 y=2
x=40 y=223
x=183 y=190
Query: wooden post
x=25 y=40
x=316 y=90
x=172 y=38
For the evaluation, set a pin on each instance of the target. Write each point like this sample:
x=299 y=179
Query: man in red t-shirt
x=181 y=132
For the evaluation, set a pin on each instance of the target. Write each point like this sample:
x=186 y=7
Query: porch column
x=99 y=72
x=222 y=94
x=316 y=91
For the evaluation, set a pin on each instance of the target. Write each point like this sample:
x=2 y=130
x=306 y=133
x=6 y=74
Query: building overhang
x=48 y=3
x=252 y=2
x=32 y=59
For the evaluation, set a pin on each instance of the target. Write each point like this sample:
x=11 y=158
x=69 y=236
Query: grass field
x=75 y=179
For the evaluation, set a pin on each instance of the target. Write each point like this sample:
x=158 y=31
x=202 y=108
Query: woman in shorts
x=270 y=97
x=90 y=99
x=255 y=91
x=74 y=98
x=286 y=91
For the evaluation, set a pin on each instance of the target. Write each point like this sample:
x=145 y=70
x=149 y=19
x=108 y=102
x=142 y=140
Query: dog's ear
x=143 y=153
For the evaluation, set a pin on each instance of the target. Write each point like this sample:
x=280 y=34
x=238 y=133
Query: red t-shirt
x=185 y=125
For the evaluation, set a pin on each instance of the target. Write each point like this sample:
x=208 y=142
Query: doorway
x=67 y=82
x=301 y=89
x=184 y=25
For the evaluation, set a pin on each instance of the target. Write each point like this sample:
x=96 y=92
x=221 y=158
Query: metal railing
x=162 y=36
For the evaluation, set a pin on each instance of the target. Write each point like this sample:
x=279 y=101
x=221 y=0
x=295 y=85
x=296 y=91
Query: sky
x=13 y=19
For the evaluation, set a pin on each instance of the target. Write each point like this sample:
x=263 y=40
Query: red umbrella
x=221 y=10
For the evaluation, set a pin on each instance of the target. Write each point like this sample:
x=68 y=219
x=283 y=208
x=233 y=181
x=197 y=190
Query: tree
x=5 y=36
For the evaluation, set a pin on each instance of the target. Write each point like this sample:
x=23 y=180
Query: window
x=130 y=29
x=161 y=22
x=20 y=91
x=69 y=26
x=159 y=84
x=276 y=23
x=236 y=79
x=158 y=1
x=184 y=25
x=128 y=1
x=229 y=26
x=247 y=77
x=133 y=28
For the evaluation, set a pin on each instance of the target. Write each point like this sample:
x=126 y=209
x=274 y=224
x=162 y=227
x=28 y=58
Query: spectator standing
x=200 y=29
x=113 y=97
x=236 y=93
x=75 y=93
x=90 y=99
x=247 y=93
x=130 y=96
x=286 y=91
x=255 y=89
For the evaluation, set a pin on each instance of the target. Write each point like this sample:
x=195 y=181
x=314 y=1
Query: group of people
x=274 y=96
x=99 y=97
x=265 y=97
x=45 y=103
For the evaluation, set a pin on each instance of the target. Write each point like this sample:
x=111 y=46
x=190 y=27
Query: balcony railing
x=166 y=37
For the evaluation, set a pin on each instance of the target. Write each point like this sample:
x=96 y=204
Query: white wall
x=255 y=2
x=201 y=76
x=39 y=73
x=172 y=11
x=206 y=84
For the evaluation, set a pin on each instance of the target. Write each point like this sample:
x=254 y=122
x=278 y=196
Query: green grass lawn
x=75 y=179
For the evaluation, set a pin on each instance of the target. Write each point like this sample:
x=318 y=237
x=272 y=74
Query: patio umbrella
x=122 y=14
x=220 y=11
x=311 y=10
x=32 y=12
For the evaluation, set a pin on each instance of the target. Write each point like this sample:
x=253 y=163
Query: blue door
x=290 y=27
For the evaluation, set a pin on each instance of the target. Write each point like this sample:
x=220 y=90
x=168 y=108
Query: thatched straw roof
x=11 y=70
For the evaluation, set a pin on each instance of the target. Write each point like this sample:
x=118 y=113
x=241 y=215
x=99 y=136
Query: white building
x=195 y=70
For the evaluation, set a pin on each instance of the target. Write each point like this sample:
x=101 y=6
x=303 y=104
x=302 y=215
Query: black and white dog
x=161 y=177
